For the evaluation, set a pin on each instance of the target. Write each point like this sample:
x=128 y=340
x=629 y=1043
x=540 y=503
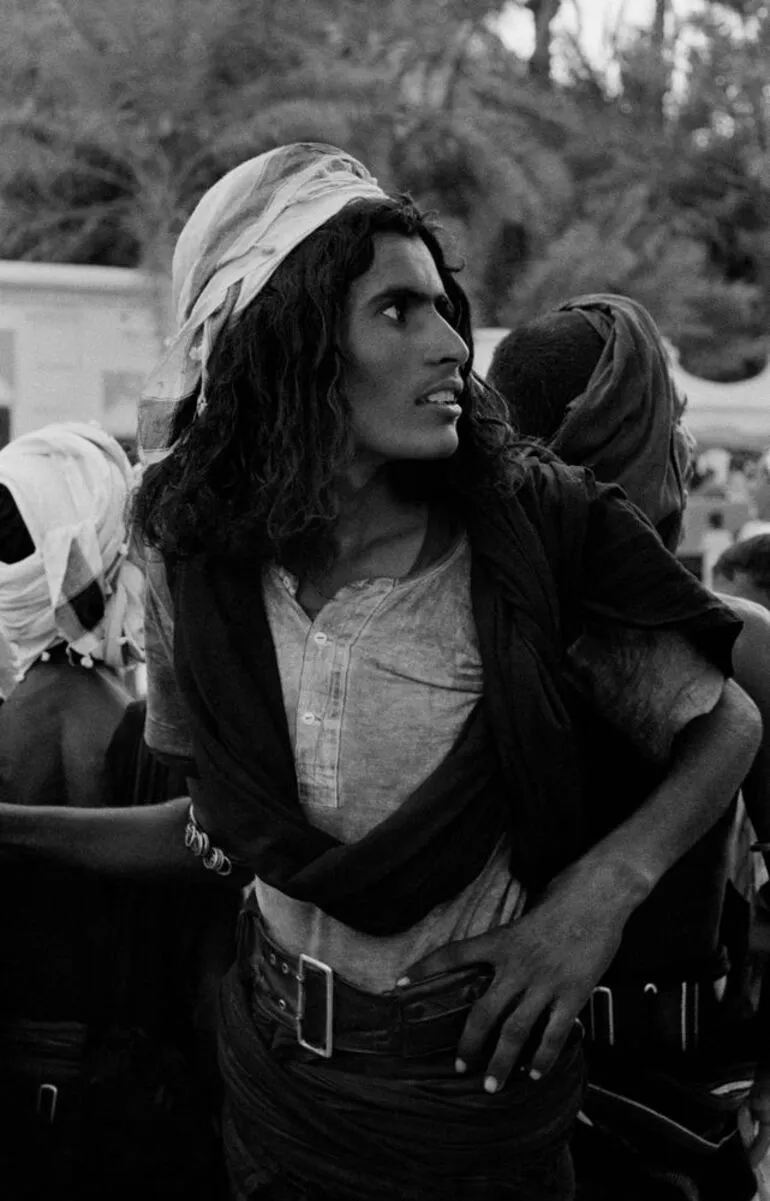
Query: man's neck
x=371 y=514
x=377 y=535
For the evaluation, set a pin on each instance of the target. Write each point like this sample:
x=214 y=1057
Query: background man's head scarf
x=71 y=484
x=239 y=233
x=627 y=423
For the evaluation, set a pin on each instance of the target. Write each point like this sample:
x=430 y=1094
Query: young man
x=361 y=598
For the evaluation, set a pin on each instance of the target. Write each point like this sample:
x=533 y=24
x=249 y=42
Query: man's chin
x=442 y=448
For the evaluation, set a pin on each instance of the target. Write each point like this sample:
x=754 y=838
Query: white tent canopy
x=736 y=416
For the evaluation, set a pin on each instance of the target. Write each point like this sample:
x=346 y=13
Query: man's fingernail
x=534 y=1074
x=460 y=1065
x=490 y=1084
x=402 y=983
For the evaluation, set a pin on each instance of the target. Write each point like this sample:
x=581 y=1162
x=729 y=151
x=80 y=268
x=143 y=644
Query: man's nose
x=447 y=345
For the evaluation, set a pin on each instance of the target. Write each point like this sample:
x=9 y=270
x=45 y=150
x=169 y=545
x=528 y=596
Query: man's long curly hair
x=254 y=474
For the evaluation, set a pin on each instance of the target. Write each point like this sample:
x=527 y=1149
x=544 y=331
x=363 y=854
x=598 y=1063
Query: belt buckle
x=309 y=967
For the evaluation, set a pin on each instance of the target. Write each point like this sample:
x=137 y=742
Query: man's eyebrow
x=409 y=292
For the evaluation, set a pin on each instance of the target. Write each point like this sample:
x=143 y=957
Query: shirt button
x=309 y=719
x=320 y=639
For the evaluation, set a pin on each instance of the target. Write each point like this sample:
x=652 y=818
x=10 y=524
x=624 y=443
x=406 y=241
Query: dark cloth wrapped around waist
x=421 y=1132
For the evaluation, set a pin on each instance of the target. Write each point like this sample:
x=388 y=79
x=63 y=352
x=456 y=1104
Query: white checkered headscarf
x=240 y=232
x=71 y=483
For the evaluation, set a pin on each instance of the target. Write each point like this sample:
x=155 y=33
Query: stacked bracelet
x=196 y=840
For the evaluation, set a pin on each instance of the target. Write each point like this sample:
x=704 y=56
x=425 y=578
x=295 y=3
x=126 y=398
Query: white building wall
x=76 y=343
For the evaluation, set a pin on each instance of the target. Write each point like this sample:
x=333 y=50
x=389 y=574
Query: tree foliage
x=648 y=175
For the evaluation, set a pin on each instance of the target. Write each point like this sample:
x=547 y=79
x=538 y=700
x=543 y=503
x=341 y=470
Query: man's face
x=742 y=585
x=403 y=357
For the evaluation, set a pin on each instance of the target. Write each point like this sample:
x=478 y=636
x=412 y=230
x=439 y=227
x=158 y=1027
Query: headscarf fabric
x=627 y=423
x=238 y=235
x=83 y=586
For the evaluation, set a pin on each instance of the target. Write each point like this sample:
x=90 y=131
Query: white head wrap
x=240 y=232
x=71 y=483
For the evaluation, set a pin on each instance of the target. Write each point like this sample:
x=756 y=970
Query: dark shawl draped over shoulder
x=561 y=551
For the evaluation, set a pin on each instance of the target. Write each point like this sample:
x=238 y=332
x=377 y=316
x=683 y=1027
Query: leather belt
x=327 y=1014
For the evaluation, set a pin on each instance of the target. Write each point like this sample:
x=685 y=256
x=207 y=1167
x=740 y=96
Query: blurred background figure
x=760 y=522
x=105 y=1056
x=714 y=540
x=70 y=626
x=744 y=570
x=71 y=619
x=591 y=380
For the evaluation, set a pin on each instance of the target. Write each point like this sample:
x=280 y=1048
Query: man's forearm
x=710 y=759
x=147 y=840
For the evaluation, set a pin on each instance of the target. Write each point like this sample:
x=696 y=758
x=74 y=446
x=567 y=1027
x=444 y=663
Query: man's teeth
x=446 y=397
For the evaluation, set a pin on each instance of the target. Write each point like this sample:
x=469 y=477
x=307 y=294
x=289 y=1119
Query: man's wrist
x=621 y=882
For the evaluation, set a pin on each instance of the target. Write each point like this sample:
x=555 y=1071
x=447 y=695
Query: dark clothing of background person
x=591 y=379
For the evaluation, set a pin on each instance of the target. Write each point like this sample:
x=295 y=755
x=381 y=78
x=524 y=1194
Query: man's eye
x=395 y=312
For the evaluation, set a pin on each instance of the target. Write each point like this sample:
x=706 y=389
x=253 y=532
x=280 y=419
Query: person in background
x=759 y=523
x=71 y=625
x=590 y=379
x=361 y=594
x=71 y=610
x=715 y=539
x=744 y=570
x=103 y=1074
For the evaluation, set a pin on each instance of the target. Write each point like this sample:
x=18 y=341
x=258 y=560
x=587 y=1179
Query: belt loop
x=243 y=948
x=603 y=992
x=689 y=1016
x=47 y=1100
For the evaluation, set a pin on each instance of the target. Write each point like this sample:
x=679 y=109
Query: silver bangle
x=196 y=840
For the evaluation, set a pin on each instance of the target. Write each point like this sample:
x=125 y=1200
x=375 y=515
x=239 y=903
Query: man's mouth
x=445 y=397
